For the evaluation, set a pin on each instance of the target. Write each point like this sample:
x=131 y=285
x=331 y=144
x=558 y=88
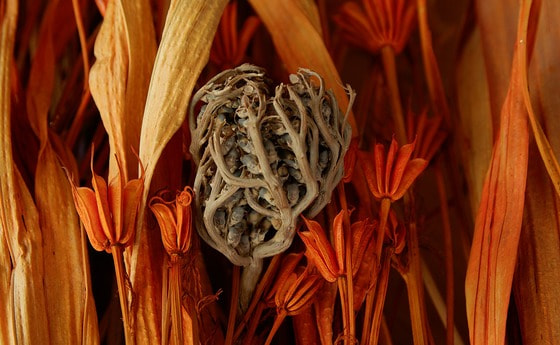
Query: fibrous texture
x=263 y=158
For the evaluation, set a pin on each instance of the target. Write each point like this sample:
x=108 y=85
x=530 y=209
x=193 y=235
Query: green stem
x=120 y=273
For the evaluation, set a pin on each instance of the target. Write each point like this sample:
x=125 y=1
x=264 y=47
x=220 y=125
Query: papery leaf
x=22 y=298
x=65 y=260
x=298 y=42
x=498 y=224
x=125 y=50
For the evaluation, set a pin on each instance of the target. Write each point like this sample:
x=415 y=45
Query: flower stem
x=388 y=57
x=413 y=278
x=383 y=215
x=176 y=293
x=233 y=305
x=254 y=323
x=277 y=323
x=120 y=273
x=342 y=289
x=349 y=265
x=383 y=283
x=448 y=245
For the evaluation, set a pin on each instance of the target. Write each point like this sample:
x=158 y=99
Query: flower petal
x=370 y=174
x=131 y=202
x=398 y=170
x=184 y=219
x=86 y=205
x=167 y=224
x=411 y=172
x=379 y=164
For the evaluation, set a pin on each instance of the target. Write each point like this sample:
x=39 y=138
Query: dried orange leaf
x=498 y=223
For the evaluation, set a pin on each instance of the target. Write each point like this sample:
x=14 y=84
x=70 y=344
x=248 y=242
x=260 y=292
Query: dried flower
x=229 y=47
x=263 y=159
x=330 y=262
x=174 y=219
x=319 y=251
x=294 y=286
x=377 y=23
x=108 y=212
x=390 y=176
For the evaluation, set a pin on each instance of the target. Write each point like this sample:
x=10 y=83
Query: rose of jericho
x=264 y=156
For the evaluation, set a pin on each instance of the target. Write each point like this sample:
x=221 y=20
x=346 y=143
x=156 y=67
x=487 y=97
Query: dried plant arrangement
x=248 y=195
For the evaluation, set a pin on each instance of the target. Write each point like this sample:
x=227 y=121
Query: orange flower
x=319 y=251
x=377 y=23
x=330 y=262
x=389 y=176
x=175 y=220
x=109 y=212
x=294 y=286
x=229 y=47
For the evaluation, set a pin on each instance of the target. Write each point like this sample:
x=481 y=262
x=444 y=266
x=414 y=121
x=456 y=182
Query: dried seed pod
x=264 y=156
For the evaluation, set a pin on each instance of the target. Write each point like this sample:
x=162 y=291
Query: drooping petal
x=86 y=205
x=370 y=174
x=412 y=170
x=401 y=164
x=102 y=198
x=338 y=239
x=379 y=165
x=319 y=250
x=166 y=221
x=132 y=197
x=305 y=294
x=318 y=258
x=392 y=155
x=362 y=233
